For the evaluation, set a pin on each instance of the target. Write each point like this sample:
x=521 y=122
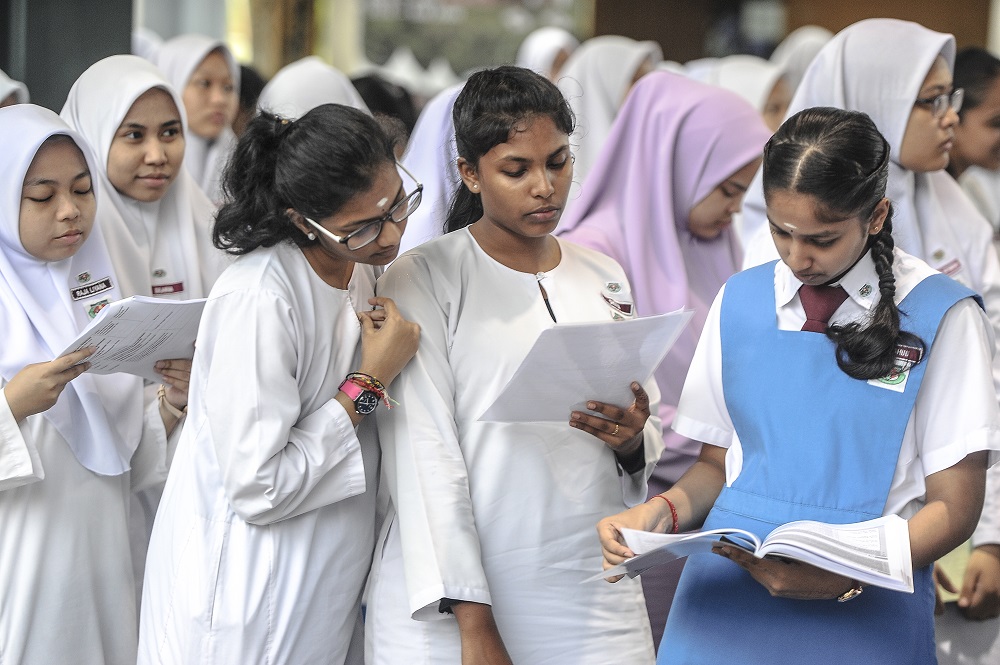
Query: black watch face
x=366 y=402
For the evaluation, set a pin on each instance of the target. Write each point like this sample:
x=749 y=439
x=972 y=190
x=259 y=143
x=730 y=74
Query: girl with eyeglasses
x=264 y=535
x=490 y=528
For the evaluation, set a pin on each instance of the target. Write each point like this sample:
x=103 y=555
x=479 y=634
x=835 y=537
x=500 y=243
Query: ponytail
x=313 y=165
x=252 y=207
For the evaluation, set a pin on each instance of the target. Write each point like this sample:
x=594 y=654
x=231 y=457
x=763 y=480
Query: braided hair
x=840 y=159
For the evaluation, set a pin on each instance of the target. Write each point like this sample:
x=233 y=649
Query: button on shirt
x=956 y=411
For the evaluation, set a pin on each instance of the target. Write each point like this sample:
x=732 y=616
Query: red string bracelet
x=676 y=526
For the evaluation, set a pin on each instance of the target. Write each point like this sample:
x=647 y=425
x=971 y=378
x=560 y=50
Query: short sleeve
x=701 y=411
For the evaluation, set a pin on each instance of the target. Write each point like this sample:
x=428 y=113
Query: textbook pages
x=132 y=334
x=875 y=552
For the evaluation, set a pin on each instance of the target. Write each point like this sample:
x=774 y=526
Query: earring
x=311 y=235
x=475 y=185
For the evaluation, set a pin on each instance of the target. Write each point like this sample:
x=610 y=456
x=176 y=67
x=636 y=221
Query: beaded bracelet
x=369 y=382
x=676 y=526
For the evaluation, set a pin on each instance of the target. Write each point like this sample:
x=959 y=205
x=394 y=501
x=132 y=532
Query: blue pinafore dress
x=817 y=445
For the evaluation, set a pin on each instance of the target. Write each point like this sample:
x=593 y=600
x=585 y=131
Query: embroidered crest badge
x=83 y=277
x=159 y=272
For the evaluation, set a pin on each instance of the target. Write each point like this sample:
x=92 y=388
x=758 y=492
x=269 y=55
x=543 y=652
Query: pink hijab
x=673 y=142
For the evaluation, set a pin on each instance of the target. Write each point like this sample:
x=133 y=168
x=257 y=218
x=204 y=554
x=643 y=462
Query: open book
x=875 y=552
x=132 y=334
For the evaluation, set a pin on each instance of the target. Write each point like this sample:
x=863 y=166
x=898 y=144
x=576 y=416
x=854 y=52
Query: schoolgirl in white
x=67 y=438
x=264 y=535
x=156 y=219
x=884 y=404
x=205 y=73
x=486 y=542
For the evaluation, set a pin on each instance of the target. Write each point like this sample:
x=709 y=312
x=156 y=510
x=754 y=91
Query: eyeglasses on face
x=940 y=103
x=371 y=229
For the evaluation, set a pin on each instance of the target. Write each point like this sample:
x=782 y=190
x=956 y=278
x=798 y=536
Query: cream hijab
x=9 y=85
x=99 y=416
x=305 y=84
x=165 y=242
x=432 y=157
x=750 y=77
x=538 y=51
x=594 y=81
x=877 y=66
x=205 y=159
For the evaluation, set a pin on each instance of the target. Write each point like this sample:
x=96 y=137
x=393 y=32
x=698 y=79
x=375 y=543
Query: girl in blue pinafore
x=891 y=411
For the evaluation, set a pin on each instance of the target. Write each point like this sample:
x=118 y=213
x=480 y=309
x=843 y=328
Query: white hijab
x=432 y=157
x=305 y=84
x=538 y=51
x=9 y=85
x=205 y=159
x=877 y=66
x=174 y=234
x=99 y=416
x=796 y=52
x=594 y=81
x=750 y=77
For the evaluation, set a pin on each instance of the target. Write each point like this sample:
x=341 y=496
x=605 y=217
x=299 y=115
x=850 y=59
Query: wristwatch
x=851 y=593
x=364 y=400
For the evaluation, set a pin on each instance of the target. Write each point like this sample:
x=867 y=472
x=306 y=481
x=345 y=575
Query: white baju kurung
x=65 y=567
x=498 y=513
x=264 y=535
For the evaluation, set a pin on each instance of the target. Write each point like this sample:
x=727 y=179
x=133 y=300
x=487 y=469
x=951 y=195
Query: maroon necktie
x=820 y=302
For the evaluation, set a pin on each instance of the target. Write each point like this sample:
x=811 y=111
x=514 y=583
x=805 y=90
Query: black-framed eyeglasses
x=372 y=228
x=940 y=103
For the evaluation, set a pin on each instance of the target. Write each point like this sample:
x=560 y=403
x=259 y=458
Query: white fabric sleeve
x=151 y=458
x=988 y=530
x=423 y=462
x=20 y=463
x=701 y=411
x=956 y=411
x=276 y=461
x=984 y=270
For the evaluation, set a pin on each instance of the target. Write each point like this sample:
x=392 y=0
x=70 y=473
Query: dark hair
x=841 y=160
x=381 y=96
x=491 y=106
x=251 y=85
x=975 y=70
x=314 y=164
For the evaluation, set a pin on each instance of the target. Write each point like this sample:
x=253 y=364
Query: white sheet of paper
x=132 y=334
x=571 y=364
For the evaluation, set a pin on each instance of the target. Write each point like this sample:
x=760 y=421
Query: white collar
x=860 y=282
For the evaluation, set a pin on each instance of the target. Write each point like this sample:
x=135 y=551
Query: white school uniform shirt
x=65 y=473
x=264 y=535
x=498 y=513
x=956 y=410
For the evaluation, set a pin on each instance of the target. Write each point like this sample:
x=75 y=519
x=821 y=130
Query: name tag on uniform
x=91 y=289
x=167 y=289
x=906 y=358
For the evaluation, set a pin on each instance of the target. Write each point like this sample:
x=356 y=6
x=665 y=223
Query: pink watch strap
x=351 y=389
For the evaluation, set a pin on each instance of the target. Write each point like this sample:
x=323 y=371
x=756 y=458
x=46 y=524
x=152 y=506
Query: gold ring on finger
x=615 y=433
